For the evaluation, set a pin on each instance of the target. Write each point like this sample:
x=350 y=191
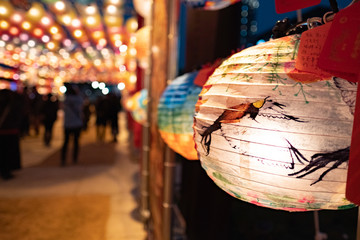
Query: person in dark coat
x=25 y=116
x=10 y=123
x=101 y=109
x=35 y=106
x=73 y=121
x=49 y=115
x=113 y=114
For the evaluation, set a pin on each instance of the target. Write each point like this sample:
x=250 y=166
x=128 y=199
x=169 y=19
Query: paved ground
x=118 y=179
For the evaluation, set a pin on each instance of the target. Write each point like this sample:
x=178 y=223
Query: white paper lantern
x=271 y=135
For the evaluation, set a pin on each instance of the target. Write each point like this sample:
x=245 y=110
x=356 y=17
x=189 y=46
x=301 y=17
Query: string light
x=60 y=6
x=45 y=21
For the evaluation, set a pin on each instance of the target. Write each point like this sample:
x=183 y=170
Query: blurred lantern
x=176 y=111
x=137 y=104
x=143 y=7
x=113 y=21
x=273 y=136
x=6 y=9
x=35 y=13
x=142 y=45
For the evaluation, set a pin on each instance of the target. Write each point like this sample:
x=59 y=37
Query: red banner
x=284 y=6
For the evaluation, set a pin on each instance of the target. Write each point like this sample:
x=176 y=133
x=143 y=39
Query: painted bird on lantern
x=236 y=113
x=321 y=160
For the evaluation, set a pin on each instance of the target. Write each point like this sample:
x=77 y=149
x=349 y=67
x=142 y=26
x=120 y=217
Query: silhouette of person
x=35 y=106
x=86 y=113
x=49 y=115
x=101 y=106
x=25 y=118
x=73 y=121
x=10 y=122
x=113 y=113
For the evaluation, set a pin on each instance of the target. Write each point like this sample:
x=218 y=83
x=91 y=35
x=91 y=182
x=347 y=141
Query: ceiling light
x=76 y=23
x=45 y=21
x=54 y=30
x=66 y=19
x=4 y=24
x=60 y=5
x=78 y=33
x=14 y=30
x=38 y=32
x=90 y=10
x=45 y=38
x=111 y=9
x=26 y=25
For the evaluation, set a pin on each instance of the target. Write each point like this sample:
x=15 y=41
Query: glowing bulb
x=38 y=32
x=60 y=5
x=95 y=84
x=26 y=25
x=115 y=2
x=57 y=36
x=102 y=42
x=67 y=42
x=111 y=9
x=14 y=30
x=24 y=37
x=123 y=48
x=4 y=24
x=76 y=23
x=17 y=18
x=54 y=30
x=78 y=33
x=133 y=78
x=25 y=47
x=90 y=10
x=63 y=89
x=45 y=21
x=5 y=37
x=102 y=85
x=105 y=91
x=66 y=20
x=97 y=34
x=122 y=68
x=132 y=51
x=50 y=45
x=97 y=62
x=3 y=10
x=90 y=20
x=121 y=86
x=34 y=12
x=45 y=38
x=118 y=43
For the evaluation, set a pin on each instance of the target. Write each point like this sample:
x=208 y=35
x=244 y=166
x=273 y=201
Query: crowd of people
x=27 y=113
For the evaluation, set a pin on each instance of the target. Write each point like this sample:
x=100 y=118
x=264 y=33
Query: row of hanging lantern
x=85 y=55
x=264 y=131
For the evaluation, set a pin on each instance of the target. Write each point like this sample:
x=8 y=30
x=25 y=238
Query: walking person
x=113 y=114
x=49 y=115
x=73 y=121
x=35 y=109
x=101 y=107
x=10 y=123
